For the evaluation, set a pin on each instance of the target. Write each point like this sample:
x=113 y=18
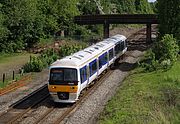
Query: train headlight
x=72 y=88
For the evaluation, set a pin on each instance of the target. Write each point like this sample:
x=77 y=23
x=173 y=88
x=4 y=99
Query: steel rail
x=44 y=115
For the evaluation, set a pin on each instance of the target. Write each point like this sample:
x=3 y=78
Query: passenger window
x=117 y=48
x=100 y=63
x=122 y=46
x=83 y=73
x=93 y=67
x=105 y=58
x=102 y=60
x=111 y=54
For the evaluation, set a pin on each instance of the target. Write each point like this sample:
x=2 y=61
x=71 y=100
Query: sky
x=151 y=0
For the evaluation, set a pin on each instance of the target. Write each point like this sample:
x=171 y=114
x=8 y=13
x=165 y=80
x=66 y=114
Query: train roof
x=88 y=54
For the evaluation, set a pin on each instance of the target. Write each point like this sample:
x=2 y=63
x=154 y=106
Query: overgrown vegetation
x=37 y=64
x=165 y=51
x=162 y=55
x=146 y=97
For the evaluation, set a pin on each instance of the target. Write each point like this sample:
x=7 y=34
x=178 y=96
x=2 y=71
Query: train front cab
x=64 y=84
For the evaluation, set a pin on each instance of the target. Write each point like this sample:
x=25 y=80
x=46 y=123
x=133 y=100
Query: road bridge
x=108 y=19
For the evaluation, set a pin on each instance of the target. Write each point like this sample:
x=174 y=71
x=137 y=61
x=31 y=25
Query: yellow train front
x=72 y=74
x=63 y=84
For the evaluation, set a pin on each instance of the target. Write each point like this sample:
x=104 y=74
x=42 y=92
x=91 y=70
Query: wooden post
x=106 y=29
x=148 y=33
x=13 y=75
x=3 y=78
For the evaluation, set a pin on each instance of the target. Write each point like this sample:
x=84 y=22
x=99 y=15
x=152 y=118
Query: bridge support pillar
x=148 y=33
x=106 y=29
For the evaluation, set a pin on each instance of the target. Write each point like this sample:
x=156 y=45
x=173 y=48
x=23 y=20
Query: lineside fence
x=10 y=76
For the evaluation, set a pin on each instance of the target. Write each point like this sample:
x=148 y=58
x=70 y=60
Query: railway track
x=85 y=95
x=20 y=108
x=58 y=112
x=19 y=111
x=27 y=107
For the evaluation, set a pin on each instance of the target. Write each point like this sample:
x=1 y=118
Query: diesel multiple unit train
x=70 y=75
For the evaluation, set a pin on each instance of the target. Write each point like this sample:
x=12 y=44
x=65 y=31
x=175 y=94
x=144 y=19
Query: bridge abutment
x=148 y=33
x=106 y=29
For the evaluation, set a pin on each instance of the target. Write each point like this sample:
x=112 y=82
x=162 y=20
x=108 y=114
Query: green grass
x=5 y=58
x=146 y=98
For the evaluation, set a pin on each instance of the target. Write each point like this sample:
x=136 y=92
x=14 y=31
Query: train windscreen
x=60 y=76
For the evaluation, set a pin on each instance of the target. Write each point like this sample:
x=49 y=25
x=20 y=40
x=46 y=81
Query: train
x=69 y=76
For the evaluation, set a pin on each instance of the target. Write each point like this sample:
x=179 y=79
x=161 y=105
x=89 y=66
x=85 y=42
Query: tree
x=22 y=22
x=142 y=6
x=169 y=18
x=3 y=30
x=66 y=10
x=133 y=6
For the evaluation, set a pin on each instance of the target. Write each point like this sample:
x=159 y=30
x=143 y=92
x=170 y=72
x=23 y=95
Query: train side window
x=105 y=58
x=93 y=67
x=102 y=60
x=117 y=48
x=122 y=46
x=83 y=74
x=111 y=54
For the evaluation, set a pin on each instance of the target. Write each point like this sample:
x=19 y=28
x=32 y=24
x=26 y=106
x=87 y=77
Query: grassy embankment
x=146 y=98
x=10 y=62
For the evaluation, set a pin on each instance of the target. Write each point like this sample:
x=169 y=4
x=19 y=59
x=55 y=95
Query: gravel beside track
x=88 y=111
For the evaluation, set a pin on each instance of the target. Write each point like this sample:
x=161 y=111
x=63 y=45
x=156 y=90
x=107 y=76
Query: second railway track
x=17 y=110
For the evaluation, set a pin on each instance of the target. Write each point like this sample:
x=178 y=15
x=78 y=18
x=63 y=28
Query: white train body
x=70 y=75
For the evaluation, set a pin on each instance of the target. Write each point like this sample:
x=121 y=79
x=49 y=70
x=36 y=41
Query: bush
x=163 y=55
x=34 y=65
x=166 y=49
x=48 y=57
x=67 y=50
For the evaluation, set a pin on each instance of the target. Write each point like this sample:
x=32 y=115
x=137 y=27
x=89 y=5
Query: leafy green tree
x=133 y=6
x=66 y=10
x=126 y=6
x=3 y=30
x=22 y=22
x=166 y=49
x=142 y=6
x=48 y=13
x=169 y=17
x=87 y=7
